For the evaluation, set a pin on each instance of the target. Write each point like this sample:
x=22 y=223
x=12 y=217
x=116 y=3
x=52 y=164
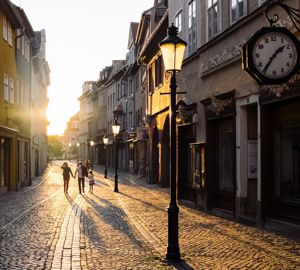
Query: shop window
x=4 y=161
x=287 y=154
x=198 y=165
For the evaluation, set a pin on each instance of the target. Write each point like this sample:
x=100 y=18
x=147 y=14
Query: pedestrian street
x=43 y=228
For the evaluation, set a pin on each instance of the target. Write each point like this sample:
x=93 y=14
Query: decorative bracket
x=293 y=13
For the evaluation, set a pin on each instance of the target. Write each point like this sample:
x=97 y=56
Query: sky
x=82 y=37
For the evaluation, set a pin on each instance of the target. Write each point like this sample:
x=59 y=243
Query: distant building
x=71 y=138
x=39 y=100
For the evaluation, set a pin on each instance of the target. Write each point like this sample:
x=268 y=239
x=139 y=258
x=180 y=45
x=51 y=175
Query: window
x=23 y=45
x=18 y=39
x=238 y=9
x=11 y=90
x=130 y=87
x=213 y=15
x=178 y=19
x=27 y=51
x=9 y=33
x=150 y=80
x=130 y=120
x=5 y=28
x=118 y=92
x=192 y=27
x=158 y=71
x=89 y=107
x=6 y=88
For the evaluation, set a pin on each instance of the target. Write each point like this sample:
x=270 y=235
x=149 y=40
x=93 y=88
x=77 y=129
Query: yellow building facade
x=8 y=85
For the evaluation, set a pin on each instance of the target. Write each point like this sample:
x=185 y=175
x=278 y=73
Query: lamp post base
x=116 y=184
x=105 y=173
x=173 y=253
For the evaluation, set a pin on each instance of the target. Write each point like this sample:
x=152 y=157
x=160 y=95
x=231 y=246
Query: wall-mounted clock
x=272 y=55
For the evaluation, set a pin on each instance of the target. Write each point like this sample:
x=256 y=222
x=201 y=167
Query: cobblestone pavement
x=206 y=242
x=42 y=228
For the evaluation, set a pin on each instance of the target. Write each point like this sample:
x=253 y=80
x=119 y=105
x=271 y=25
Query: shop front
x=220 y=151
x=281 y=154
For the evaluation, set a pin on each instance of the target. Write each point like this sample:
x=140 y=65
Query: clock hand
x=280 y=49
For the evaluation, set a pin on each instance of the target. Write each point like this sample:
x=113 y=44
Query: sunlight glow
x=82 y=37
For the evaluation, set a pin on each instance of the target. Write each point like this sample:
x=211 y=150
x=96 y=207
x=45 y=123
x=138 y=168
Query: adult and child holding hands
x=82 y=170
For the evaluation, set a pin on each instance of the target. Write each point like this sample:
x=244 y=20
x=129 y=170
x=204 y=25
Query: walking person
x=88 y=165
x=82 y=173
x=91 y=181
x=66 y=176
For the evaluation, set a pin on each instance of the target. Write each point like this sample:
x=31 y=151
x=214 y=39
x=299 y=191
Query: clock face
x=275 y=55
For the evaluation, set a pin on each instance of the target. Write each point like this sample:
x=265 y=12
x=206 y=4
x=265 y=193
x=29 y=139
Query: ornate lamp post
x=77 y=144
x=105 y=141
x=92 y=145
x=116 y=130
x=172 y=48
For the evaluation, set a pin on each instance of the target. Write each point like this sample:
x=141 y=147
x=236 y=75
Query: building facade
x=240 y=152
x=9 y=119
x=40 y=80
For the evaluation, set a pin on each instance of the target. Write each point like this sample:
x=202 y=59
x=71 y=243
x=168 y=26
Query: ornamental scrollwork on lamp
x=218 y=105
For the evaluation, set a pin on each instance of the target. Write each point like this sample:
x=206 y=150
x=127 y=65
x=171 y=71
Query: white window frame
x=236 y=6
x=178 y=22
x=192 y=27
x=6 y=87
x=212 y=4
x=11 y=91
x=4 y=28
x=9 y=34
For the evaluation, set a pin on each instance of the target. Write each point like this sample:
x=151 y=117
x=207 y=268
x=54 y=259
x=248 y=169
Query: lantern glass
x=172 y=55
x=115 y=127
x=105 y=140
x=92 y=143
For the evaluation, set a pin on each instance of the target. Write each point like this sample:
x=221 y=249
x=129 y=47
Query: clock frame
x=259 y=74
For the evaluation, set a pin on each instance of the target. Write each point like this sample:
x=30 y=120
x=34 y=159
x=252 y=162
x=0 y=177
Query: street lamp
x=92 y=144
x=172 y=48
x=105 y=141
x=78 y=144
x=116 y=130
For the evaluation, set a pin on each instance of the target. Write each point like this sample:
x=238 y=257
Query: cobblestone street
x=42 y=228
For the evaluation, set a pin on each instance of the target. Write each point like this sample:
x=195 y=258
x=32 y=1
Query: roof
x=9 y=12
x=23 y=19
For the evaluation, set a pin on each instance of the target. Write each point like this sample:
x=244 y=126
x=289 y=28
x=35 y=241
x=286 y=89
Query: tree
x=55 y=146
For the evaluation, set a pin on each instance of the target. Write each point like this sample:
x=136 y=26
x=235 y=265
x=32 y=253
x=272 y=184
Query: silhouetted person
x=82 y=173
x=66 y=175
x=91 y=181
